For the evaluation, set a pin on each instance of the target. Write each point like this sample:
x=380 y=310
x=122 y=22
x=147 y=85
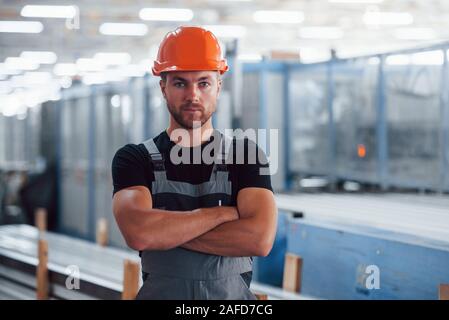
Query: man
x=196 y=224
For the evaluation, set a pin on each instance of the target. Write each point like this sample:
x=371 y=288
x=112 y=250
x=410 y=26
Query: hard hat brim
x=220 y=66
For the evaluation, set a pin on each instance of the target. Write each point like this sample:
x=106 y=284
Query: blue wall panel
x=270 y=269
x=335 y=261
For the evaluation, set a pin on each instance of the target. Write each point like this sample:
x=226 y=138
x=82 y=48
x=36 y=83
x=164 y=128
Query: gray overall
x=179 y=273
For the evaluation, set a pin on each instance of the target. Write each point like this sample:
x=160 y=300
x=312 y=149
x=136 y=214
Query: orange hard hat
x=189 y=49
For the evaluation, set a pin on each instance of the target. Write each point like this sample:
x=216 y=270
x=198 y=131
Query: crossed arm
x=246 y=230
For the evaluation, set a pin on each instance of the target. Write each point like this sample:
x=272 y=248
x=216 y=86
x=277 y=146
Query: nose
x=192 y=93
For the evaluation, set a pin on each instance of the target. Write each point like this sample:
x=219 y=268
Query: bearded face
x=191 y=96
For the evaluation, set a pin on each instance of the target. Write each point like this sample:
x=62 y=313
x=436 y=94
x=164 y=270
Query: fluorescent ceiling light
x=21 y=26
x=166 y=14
x=146 y=64
x=37 y=78
x=398 y=59
x=357 y=1
x=5 y=88
x=17 y=81
x=321 y=33
x=109 y=75
x=278 y=16
x=41 y=57
x=230 y=0
x=21 y=63
x=123 y=29
x=312 y=54
x=18 y=101
x=32 y=79
x=38 y=11
x=435 y=57
x=387 y=18
x=113 y=58
x=114 y=75
x=227 y=31
x=65 y=82
x=94 y=78
x=5 y=70
x=10 y=105
x=131 y=70
x=55 y=96
x=86 y=65
x=250 y=57
x=65 y=69
x=415 y=33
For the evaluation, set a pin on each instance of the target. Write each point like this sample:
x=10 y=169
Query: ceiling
x=350 y=28
x=259 y=38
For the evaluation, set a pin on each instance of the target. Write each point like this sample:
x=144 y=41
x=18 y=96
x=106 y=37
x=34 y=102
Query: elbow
x=263 y=251
x=140 y=243
x=135 y=243
x=132 y=237
x=263 y=248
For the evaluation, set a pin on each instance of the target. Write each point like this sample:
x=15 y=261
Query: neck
x=189 y=137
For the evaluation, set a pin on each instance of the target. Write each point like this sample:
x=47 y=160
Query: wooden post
x=443 y=292
x=102 y=232
x=42 y=271
x=292 y=273
x=284 y=55
x=131 y=271
x=40 y=217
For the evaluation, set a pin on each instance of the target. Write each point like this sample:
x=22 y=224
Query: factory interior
x=354 y=95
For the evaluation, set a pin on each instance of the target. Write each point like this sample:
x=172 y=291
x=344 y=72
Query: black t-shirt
x=132 y=166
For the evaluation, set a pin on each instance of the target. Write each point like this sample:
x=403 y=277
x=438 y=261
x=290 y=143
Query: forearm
x=252 y=235
x=162 y=230
x=236 y=238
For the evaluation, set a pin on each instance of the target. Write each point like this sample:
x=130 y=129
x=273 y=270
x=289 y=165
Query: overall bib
x=185 y=274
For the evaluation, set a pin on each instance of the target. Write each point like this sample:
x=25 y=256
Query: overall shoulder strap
x=156 y=159
x=220 y=170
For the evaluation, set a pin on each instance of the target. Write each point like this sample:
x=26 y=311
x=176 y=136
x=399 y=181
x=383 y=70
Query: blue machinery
x=380 y=119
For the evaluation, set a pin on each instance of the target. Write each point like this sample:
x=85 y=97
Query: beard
x=186 y=120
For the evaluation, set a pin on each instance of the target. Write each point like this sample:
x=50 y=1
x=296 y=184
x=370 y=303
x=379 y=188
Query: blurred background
x=357 y=89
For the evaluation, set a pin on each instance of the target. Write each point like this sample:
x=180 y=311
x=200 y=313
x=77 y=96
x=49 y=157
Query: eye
x=204 y=84
x=179 y=84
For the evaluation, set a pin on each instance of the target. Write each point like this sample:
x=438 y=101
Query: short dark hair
x=163 y=76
